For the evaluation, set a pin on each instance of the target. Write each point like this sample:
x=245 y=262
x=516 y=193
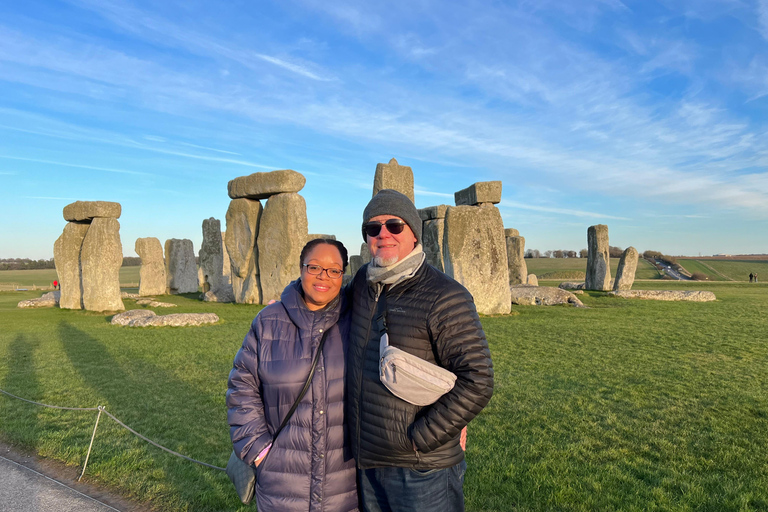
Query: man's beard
x=384 y=262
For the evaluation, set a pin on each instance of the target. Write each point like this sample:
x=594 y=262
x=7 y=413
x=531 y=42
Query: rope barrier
x=102 y=409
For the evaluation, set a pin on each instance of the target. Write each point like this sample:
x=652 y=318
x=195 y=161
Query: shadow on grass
x=21 y=380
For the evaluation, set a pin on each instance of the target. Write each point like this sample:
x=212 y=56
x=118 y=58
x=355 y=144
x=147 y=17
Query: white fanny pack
x=407 y=376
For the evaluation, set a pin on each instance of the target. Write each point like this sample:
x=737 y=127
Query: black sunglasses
x=394 y=226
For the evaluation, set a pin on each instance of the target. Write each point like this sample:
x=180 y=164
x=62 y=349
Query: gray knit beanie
x=392 y=202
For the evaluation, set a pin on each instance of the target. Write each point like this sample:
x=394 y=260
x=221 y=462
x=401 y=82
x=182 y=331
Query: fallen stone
x=48 y=300
x=282 y=232
x=261 y=185
x=598 y=260
x=152 y=278
x=126 y=295
x=518 y=268
x=433 y=212
x=526 y=295
x=243 y=220
x=180 y=266
x=147 y=318
x=100 y=260
x=571 y=286
x=222 y=294
x=66 y=257
x=87 y=210
x=432 y=233
x=155 y=303
x=479 y=193
x=532 y=280
x=667 y=295
x=475 y=255
x=394 y=176
x=625 y=274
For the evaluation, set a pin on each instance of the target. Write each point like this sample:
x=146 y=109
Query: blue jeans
x=405 y=489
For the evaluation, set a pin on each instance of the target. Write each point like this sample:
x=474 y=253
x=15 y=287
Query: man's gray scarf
x=399 y=272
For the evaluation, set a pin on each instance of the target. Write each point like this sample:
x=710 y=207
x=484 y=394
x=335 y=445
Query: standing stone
x=365 y=254
x=282 y=233
x=433 y=231
x=212 y=253
x=66 y=257
x=243 y=220
x=625 y=274
x=511 y=232
x=532 y=280
x=479 y=193
x=180 y=266
x=226 y=265
x=88 y=210
x=355 y=262
x=261 y=185
x=518 y=269
x=319 y=235
x=598 y=260
x=100 y=260
x=394 y=176
x=152 y=280
x=474 y=253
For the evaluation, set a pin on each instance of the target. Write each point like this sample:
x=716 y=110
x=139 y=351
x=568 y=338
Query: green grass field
x=727 y=270
x=628 y=405
x=575 y=268
x=43 y=278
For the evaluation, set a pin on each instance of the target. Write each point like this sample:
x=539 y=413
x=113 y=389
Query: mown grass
x=575 y=268
x=628 y=405
x=723 y=270
x=45 y=277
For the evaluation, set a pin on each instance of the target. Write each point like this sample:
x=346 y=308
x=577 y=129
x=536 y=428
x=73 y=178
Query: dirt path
x=716 y=272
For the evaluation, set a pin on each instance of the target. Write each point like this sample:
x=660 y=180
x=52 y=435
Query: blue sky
x=647 y=116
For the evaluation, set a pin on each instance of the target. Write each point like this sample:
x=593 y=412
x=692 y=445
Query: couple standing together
x=352 y=444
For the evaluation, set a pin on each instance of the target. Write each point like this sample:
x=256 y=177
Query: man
x=409 y=457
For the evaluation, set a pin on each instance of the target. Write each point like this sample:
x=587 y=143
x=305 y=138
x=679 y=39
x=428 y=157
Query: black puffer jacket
x=433 y=317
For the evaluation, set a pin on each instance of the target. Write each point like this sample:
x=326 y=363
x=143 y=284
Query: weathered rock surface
x=532 y=280
x=100 y=260
x=667 y=295
x=282 y=233
x=525 y=295
x=625 y=274
x=147 y=318
x=222 y=294
x=226 y=267
x=243 y=221
x=598 y=261
x=315 y=236
x=261 y=185
x=432 y=233
x=87 y=210
x=212 y=254
x=393 y=176
x=571 y=286
x=155 y=303
x=511 y=232
x=475 y=254
x=48 y=300
x=180 y=266
x=518 y=269
x=365 y=254
x=152 y=278
x=355 y=262
x=479 y=193
x=66 y=256
x=433 y=212
x=128 y=295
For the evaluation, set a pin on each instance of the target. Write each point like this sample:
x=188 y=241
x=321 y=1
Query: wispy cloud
x=424 y=192
x=78 y=166
x=506 y=203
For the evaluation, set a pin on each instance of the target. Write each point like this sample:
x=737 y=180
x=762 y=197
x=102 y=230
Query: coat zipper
x=362 y=367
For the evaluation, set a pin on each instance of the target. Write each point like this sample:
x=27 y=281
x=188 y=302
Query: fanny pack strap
x=381 y=318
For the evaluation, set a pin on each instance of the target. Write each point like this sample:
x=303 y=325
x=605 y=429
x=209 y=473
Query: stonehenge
x=598 y=260
x=214 y=271
x=483 y=192
x=625 y=274
x=474 y=253
x=518 y=269
x=394 y=176
x=88 y=256
x=433 y=231
x=180 y=267
x=152 y=280
x=242 y=219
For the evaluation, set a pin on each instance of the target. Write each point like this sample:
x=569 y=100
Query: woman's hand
x=262 y=455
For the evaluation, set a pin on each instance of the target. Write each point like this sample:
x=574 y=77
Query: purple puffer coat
x=310 y=466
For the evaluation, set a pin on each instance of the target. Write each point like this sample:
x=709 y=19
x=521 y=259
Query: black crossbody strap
x=306 y=386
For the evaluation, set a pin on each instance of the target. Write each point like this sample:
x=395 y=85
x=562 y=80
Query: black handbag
x=243 y=475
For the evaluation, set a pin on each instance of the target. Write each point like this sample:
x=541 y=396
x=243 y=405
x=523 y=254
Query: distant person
x=750 y=277
x=55 y=284
x=755 y=276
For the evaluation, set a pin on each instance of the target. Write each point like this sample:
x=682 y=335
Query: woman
x=309 y=466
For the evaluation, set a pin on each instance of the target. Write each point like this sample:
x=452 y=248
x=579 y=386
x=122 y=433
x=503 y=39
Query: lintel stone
x=478 y=193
